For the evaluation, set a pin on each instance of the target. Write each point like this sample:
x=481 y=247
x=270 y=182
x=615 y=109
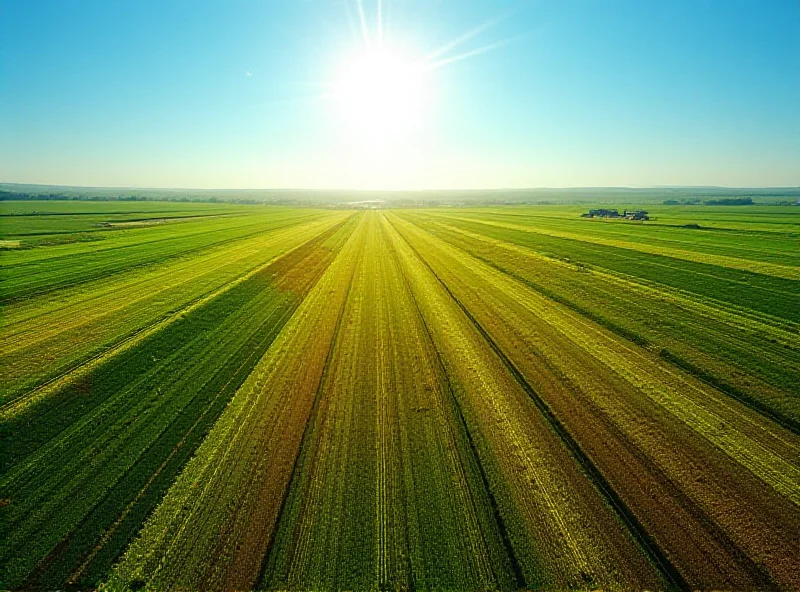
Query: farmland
x=233 y=397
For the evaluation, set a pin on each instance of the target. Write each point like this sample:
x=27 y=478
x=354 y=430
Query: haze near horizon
x=397 y=94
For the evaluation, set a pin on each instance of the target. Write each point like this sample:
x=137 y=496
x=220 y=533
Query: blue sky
x=243 y=93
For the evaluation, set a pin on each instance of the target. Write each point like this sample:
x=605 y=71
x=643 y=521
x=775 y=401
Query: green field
x=202 y=396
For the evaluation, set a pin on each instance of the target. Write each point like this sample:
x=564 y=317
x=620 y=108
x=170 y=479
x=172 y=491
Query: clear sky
x=443 y=94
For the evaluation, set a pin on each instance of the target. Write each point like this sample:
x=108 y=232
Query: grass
x=570 y=362
x=237 y=397
x=246 y=462
x=737 y=349
x=386 y=483
x=100 y=440
x=47 y=335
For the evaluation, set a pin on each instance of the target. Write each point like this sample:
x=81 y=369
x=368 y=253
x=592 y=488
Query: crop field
x=236 y=397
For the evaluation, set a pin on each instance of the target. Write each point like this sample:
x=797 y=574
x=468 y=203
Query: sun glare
x=382 y=100
x=379 y=93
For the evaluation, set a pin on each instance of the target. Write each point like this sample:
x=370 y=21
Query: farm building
x=626 y=214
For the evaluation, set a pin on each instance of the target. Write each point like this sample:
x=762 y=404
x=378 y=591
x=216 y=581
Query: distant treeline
x=19 y=196
x=726 y=201
x=730 y=201
x=421 y=198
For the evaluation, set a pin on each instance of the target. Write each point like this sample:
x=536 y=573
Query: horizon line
x=368 y=190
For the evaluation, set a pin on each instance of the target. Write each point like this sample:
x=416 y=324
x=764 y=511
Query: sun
x=385 y=103
x=379 y=93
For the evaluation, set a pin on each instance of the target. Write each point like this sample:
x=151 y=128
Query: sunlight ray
x=461 y=39
x=351 y=21
x=380 y=23
x=364 y=27
x=468 y=54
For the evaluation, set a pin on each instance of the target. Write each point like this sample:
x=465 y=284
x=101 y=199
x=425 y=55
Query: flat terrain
x=232 y=397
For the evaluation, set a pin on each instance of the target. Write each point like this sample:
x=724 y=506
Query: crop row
x=48 y=335
x=394 y=450
x=215 y=523
x=699 y=470
x=407 y=400
x=770 y=295
x=744 y=355
x=454 y=426
x=124 y=238
x=744 y=248
x=28 y=278
x=563 y=532
x=83 y=468
x=37 y=224
x=386 y=492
